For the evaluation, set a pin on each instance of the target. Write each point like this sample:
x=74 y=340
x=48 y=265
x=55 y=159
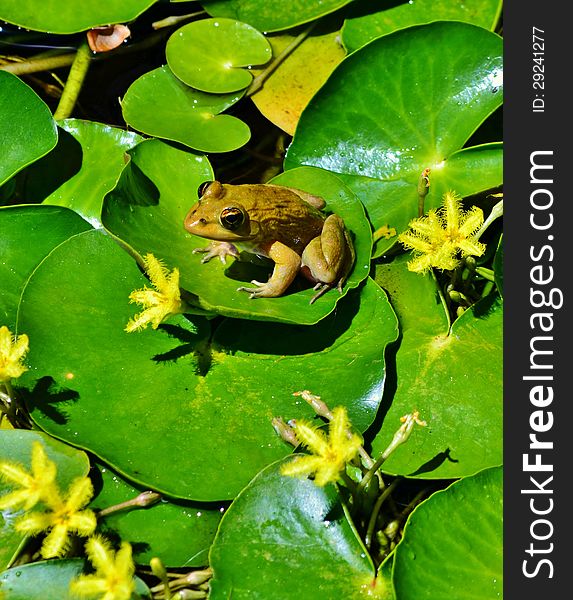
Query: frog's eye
x=203 y=188
x=232 y=218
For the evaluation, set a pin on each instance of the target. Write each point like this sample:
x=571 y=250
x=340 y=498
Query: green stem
x=143 y=500
x=36 y=65
x=376 y=510
x=74 y=83
x=496 y=212
x=175 y=20
x=260 y=79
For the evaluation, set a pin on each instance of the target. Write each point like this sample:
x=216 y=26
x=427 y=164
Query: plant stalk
x=75 y=81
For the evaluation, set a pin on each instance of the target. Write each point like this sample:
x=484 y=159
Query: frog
x=284 y=224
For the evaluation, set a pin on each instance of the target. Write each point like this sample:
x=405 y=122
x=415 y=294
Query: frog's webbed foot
x=220 y=249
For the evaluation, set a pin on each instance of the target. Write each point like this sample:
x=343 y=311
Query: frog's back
x=280 y=214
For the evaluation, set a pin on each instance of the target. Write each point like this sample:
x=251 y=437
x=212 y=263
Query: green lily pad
x=160 y=105
x=210 y=55
x=300 y=75
x=272 y=15
x=27 y=129
x=29 y=234
x=197 y=414
x=453 y=377
x=102 y=160
x=54 y=16
x=367 y=25
x=405 y=102
x=157 y=226
x=179 y=533
x=461 y=525
x=16 y=445
x=284 y=533
x=50 y=580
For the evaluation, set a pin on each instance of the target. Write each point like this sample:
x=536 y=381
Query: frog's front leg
x=328 y=258
x=287 y=265
x=220 y=249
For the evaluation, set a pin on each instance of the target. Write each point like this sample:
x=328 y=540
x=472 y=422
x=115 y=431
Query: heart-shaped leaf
x=179 y=533
x=159 y=104
x=16 y=446
x=284 y=533
x=209 y=55
x=403 y=103
x=453 y=377
x=461 y=525
x=172 y=392
x=27 y=129
x=102 y=160
x=67 y=17
x=50 y=580
x=155 y=226
x=29 y=234
x=272 y=15
x=366 y=25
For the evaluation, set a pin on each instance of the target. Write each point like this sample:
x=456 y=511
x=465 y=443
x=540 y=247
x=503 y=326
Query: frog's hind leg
x=328 y=258
x=287 y=264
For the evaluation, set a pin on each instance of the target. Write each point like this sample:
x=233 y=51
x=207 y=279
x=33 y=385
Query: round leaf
x=159 y=104
x=405 y=102
x=287 y=534
x=363 y=28
x=197 y=413
x=209 y=54
x=157 y=226
x=27 y=129
x=272 y=15
x=461 y=525
x=454 y=378
x=179 y=533
x=50 y=580
x=102 y=160
x=294 y=82
x=67 y=17
x=29 y=234
x=16 y=445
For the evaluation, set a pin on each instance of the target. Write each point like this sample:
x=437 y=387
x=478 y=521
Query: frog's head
x=216 y=216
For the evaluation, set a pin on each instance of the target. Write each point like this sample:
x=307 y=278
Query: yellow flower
x=64 y=517
x=113 y=579
x=35 y=486
x=440 y=237
x=330 y=454
x=158 y=303
x=12 y=351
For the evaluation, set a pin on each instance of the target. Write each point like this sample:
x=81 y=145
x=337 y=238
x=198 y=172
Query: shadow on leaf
x=48 y=398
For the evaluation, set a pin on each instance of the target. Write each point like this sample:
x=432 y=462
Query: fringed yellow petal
x=438 y=239
x=311 y=437
x=12 y=351
x=329 y=454
x=80 y=493
x=88 y=585
x=56 y=542
x=159 y=303
x=33 y=522
x=15 y=499
x=15 y=473
x=114 y=571
x=301 y=466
